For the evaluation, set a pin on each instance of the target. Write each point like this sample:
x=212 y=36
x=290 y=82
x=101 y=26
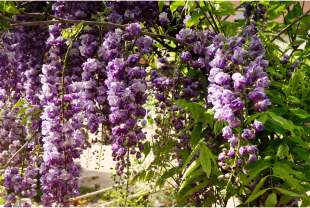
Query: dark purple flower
x=239 y=162
x=253 y=158
x=163 y=18
x=186 y=56
x=248 y=134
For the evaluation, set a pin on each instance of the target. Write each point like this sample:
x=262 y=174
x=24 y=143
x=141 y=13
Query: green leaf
x=254 y=196
x=5 y=25
x=25 y=118
x=196 y=135
x=169 y=173
x=284 y=199
x=21 y=111
x=297 y=42
x=287 y=124
x=297 y=140
x=196 y=188
x=191 y=168
x=263 y=118
x=184 y=153
x=283 y=173
x=275 y=11
x=161 y=4
x=301 y=153
x=218 y=126
x=305 y=201
x=295 y=100
x=10 y=8
x=150 y=121
x=283 y=151
x=271 y=200
x=190 y=157
x=147 y=148
x=191 y=177
x=253 y=172
x=175 y=4
x=300 y=113
x=286 y=192
x=19 y=103
x=276 y=97
x=194 y=19
x=210 y=117
x=149 y=175
x=260 y=184
x=181 y=103
x=205 y=159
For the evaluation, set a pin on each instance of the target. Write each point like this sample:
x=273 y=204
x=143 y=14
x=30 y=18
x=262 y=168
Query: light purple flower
x=258 y=126
x=222 y=78
x=231 y=153
x=243 y=150
x=239 y=81
x=227 y=132
x=252 y=149
x=163 y=18
x=234 y=141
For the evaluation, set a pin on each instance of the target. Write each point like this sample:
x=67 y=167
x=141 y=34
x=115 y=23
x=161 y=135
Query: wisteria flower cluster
x=234 y=82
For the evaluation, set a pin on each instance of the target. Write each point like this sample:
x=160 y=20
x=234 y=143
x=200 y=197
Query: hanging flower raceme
x=126 y=95
x=234 y=82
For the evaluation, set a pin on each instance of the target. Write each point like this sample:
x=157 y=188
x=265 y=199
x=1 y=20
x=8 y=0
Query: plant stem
x=206 y=17
x=237 y=152
x=127 y=186
x=63 y=87
x=218 y=20
x=18 y=151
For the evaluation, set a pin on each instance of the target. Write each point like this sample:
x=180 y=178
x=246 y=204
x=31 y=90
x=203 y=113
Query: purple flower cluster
x=125 y=12
x=126 y=95
x=64 y=136
x=231 y=79
x=255 y=13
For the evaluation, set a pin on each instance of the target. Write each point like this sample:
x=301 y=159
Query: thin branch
x=108 y=24
x=18 y=151
x=287 y=27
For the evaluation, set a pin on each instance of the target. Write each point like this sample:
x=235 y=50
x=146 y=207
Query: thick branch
x=287 y=27
x=107 y=24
